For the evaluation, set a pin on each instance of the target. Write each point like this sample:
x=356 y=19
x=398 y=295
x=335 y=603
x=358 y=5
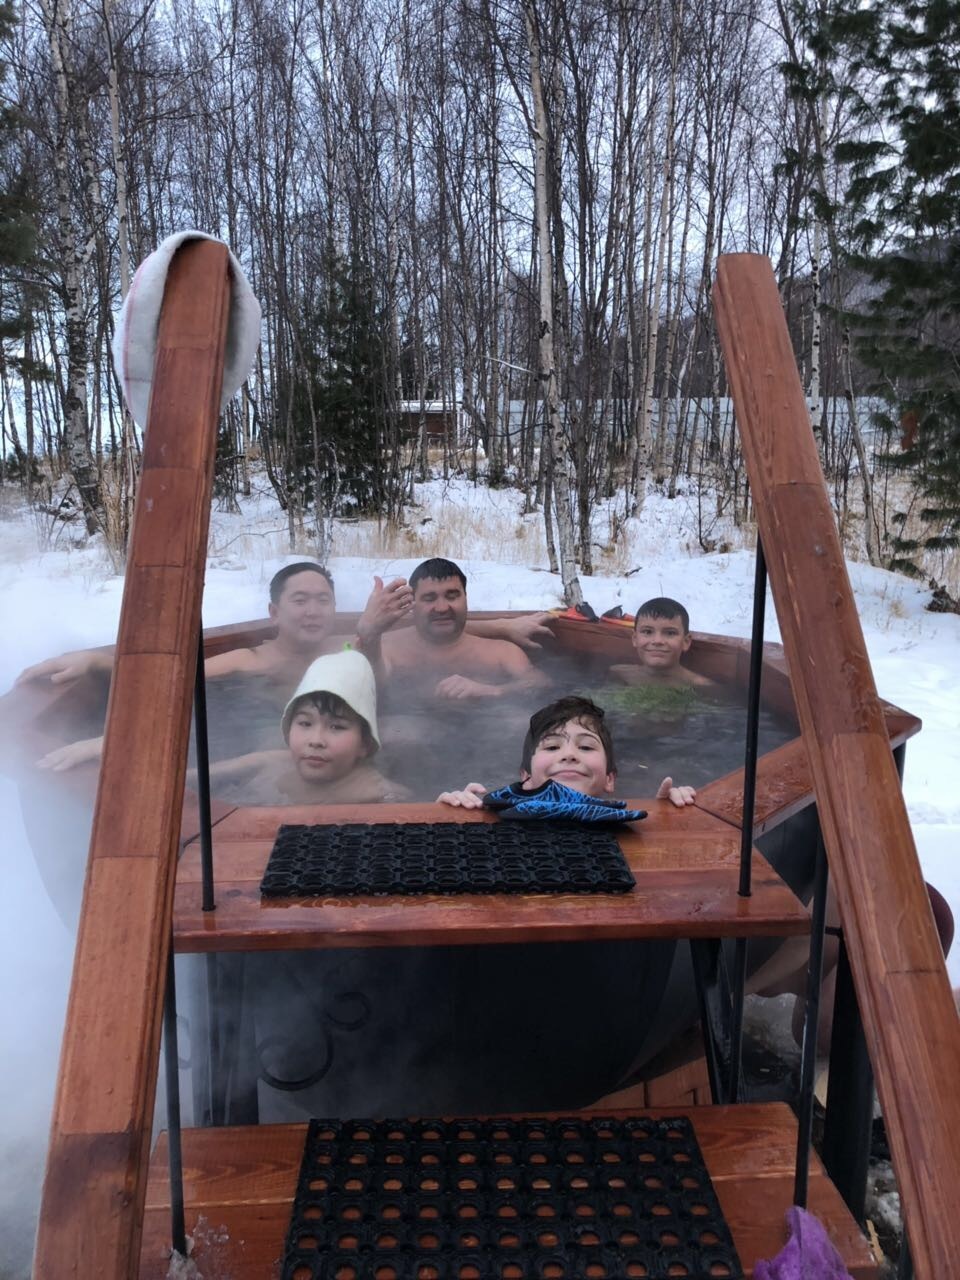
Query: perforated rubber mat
x=445 y=857
x=577 y=1199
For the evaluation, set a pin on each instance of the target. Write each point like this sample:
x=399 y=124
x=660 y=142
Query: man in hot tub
x=443 y=655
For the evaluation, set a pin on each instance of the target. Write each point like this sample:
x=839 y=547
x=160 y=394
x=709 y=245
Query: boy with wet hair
x=330 y=728
x=661 y=637
x=567 y=755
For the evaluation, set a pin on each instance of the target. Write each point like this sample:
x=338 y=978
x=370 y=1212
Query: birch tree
x=74 y=255
x=559 y=474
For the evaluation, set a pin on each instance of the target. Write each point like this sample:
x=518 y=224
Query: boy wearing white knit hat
x=330 y=728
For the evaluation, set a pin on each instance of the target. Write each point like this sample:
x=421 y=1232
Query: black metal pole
x=203 y=780
x=746 y=822
x=811 y=1021
x=171 y=1058
x=217 y=1092
x=753 y=719
x=848 y=1125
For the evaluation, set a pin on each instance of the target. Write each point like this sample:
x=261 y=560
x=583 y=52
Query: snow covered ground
x=58 y=597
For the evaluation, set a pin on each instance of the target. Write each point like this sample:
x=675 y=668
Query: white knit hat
x=348 y=676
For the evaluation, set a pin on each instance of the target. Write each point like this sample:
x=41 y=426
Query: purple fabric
x=807 y=1255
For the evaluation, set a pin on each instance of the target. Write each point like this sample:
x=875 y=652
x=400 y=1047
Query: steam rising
x=36 y=954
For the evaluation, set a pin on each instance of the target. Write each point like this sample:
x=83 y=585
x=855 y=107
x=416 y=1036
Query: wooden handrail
x=93 y=1195
x=911 y=1024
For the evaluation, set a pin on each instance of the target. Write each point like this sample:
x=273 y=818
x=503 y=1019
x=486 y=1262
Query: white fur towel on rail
x=135 y=337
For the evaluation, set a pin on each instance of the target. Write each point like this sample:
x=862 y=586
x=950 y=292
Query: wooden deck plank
x=685 y=863
x=784 y=781
x=241 y=1182
x=891 y=940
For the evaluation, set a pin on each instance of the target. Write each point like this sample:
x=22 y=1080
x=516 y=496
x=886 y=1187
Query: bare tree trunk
x=666 y=201
x=814 y=393
x=548 y=522
x=128 y=459
x=548 y=374
x=28 y=426
x=675 y=313
x=76 y=423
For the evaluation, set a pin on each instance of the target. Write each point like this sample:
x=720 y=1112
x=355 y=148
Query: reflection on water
x=430 y=745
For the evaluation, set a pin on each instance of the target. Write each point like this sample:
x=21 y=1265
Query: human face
x=660 y=642
x=440 y=609
x=574 y=756
x=306 y=612
x=325 y=746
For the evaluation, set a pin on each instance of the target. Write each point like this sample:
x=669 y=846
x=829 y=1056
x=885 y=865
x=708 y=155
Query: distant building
x=443 y=421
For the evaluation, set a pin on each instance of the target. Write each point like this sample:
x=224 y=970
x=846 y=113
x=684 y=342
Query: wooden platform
x=239 y=1186
x=685 y=862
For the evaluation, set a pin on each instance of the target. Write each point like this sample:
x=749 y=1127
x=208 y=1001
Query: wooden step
x=239 y=1185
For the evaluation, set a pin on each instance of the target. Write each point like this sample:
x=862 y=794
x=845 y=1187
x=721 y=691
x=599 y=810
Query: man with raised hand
x=439 y=654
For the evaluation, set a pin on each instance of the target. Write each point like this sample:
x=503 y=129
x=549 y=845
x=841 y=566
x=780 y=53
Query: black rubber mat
x=576 y=1199
x=445 y=857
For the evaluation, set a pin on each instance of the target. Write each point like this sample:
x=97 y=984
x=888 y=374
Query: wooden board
x=909 y=1016
x=686 y=864
x=241 y=1182
x=90 y=1217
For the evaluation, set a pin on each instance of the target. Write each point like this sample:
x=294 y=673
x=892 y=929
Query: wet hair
x=437 y=570
x=328 y=704
x=663 y=607
x=280 y=578
x=551 y=718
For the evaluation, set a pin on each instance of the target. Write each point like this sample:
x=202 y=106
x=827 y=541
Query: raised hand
x=386 y=606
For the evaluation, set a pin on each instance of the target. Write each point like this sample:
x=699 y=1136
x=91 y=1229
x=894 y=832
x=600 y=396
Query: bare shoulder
x=509 y=655
x=225 y=664
x=254 y=771
x=400 y=643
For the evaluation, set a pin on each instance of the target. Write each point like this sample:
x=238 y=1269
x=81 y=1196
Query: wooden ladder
x=93 y=1205
x=911 y=1024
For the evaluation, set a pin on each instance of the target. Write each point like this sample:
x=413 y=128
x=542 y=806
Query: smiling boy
x=569 y=743
x=661 y=638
